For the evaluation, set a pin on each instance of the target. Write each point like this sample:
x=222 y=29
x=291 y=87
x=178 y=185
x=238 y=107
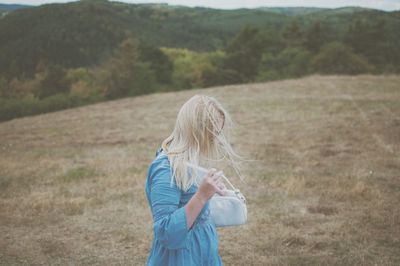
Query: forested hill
x=86 y=31
x=56 y=56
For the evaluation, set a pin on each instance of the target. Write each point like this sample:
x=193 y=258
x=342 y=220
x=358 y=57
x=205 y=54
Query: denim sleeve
x=170 y=222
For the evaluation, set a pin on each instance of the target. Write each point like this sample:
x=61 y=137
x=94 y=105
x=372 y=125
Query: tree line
x=254 y=54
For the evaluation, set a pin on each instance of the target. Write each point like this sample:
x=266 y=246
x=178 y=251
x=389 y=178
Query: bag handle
x=206 y=171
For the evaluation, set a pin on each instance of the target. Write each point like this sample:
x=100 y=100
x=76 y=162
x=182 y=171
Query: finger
x=211 y=172
x=221 y=192
x=219 y=181
x=222 y=185
x=217 y=175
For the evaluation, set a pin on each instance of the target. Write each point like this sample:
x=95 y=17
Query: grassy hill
x=322 y=189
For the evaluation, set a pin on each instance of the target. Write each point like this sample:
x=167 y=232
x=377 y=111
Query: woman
x=184 y=233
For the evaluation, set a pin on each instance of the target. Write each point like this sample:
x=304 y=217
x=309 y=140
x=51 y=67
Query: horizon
x=385 y=5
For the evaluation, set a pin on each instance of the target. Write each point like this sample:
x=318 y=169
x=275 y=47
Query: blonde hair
x=194 y=138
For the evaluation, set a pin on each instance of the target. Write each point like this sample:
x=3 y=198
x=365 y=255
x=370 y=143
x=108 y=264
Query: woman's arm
x=172 y=224
x=211 y=184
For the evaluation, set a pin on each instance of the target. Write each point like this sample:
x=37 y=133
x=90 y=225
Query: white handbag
x=227 y=210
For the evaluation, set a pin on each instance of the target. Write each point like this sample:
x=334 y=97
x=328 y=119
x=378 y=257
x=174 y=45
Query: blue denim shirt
x=174 y=243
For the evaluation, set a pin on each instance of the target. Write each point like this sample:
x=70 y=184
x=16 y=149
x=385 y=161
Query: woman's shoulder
x=160 y=161
x=160 y=151
x=160 y=171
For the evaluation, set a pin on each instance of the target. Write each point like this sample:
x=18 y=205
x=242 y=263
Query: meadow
x=322 y=180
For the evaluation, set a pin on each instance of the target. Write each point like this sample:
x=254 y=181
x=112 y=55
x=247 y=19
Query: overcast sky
x=231 y=4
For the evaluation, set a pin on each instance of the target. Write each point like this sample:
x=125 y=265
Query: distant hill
x=11 y=7
x=87 y=31
x=6 y=8
x=293 y=11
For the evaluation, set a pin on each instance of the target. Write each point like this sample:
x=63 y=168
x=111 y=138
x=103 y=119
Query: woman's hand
x=211 y=184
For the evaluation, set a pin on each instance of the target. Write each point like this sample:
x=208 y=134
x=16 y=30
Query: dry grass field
x=322 y=180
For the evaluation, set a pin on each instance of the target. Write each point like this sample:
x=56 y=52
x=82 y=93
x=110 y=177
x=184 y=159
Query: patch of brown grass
x=322 y=189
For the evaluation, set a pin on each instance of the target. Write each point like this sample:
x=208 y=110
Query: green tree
x=293 y=35
x=189 y=66
x=272 y=41
x=315 y=37
x=291 y=62
x=337 y=58
x=4 y=90
x=214 y=74
x=243 y=54
x=53 y=82
x=368 y=39
x=159 y=62
x=125 y=74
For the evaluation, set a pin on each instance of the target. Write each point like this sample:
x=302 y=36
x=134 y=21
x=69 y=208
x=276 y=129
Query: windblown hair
x=195 y=139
